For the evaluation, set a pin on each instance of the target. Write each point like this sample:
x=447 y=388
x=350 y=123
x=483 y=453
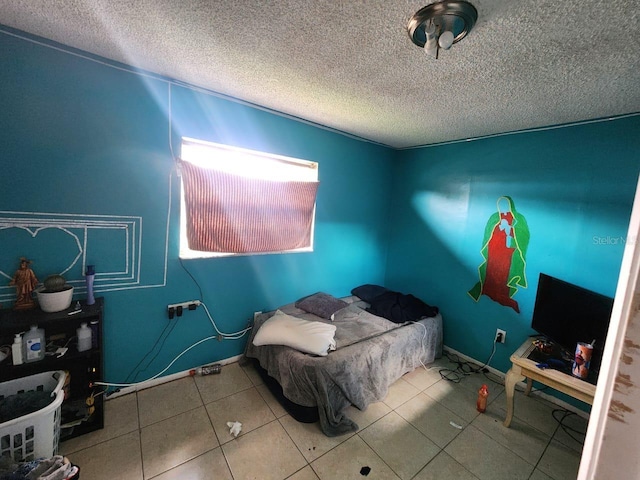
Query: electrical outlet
x=501 y=336
x=177 y=309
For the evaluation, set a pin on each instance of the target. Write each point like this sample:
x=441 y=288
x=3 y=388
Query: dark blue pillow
x=368 y=292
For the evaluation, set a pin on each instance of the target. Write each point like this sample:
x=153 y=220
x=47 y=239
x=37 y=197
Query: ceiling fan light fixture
x=445 y=40
x=441 y=24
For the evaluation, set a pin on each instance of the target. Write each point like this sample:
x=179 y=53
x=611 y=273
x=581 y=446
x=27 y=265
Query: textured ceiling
x=350 y=65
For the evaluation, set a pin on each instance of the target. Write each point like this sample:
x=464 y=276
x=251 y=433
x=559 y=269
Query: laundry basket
x=36 y=434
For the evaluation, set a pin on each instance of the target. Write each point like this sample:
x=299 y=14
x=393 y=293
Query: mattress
x=371 y=354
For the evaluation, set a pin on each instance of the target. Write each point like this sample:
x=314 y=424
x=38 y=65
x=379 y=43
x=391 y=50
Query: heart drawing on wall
x=52 y=249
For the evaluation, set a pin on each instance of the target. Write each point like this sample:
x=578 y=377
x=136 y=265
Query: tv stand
x=523 y=367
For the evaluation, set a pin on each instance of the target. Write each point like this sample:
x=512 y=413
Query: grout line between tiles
x=139 y=434
x=226 y=461
x=545 y=449
x=292 y=440
x=510 y=450
x=441 y=450
x=376 y=453
x=535 y=467
x=71 y=453
x=215 y=434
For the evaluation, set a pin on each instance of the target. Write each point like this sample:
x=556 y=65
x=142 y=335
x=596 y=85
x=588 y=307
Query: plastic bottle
x=16 y=350
x=93 y=325
x=89 y=277
x=481 y=404
x=84 y=337
x=206 y=369
x=33 y=344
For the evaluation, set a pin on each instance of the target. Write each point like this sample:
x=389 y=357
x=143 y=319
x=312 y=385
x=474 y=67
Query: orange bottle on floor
x=481 y=404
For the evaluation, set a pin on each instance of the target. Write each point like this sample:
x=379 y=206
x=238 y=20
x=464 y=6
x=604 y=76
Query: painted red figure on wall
x=505 y=243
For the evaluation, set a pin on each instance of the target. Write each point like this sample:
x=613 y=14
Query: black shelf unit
x=84 y=368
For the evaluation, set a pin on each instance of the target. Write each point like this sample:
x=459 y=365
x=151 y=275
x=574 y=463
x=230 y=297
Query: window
x=236 y=201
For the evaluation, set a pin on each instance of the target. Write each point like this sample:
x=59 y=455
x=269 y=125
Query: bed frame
x=299 y=412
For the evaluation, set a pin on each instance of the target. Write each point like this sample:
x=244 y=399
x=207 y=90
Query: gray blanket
x=372 y=353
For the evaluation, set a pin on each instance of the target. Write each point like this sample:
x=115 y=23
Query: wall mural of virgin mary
x=504 y=249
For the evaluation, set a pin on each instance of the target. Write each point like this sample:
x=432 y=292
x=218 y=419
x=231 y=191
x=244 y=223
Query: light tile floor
x=426 y=428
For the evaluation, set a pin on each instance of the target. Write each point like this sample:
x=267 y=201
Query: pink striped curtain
x=232 y=214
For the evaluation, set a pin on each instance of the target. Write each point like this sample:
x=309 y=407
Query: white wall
x=611 y=446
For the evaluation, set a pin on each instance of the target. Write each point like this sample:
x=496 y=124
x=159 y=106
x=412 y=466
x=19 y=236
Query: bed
x=367 y=352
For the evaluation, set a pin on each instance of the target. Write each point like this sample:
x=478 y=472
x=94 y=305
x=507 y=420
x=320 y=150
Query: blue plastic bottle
x=89 y=277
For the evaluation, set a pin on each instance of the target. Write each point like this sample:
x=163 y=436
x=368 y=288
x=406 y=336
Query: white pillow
x=316 y=338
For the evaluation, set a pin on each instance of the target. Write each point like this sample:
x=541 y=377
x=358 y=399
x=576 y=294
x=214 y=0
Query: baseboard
x=174 y=376
x=522 y=385
x=168 y=378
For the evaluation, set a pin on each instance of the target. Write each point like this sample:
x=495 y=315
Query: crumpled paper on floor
x=234 y=428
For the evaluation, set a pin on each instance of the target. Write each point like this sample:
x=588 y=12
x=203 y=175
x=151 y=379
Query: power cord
x=163 y=337
x=567 y=429
x=120 y=385
x=464 y=368
x=230 y=336
x=192 y=277
x=424 y=350
x=170 y=326
x=219 y=335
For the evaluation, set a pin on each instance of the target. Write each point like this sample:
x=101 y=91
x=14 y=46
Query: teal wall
x=574 y=185
x=85 y=142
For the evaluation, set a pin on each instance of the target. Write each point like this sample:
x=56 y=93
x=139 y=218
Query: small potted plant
x=55 y=295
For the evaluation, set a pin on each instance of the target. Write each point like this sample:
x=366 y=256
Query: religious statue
x=25 y=281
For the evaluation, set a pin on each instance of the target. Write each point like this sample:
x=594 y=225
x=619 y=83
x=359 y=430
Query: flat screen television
x=567 y=314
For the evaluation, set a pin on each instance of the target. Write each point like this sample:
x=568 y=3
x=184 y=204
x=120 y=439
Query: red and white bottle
x=481 y=404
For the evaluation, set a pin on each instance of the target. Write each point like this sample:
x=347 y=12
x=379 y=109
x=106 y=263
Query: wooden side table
x=523 y=367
